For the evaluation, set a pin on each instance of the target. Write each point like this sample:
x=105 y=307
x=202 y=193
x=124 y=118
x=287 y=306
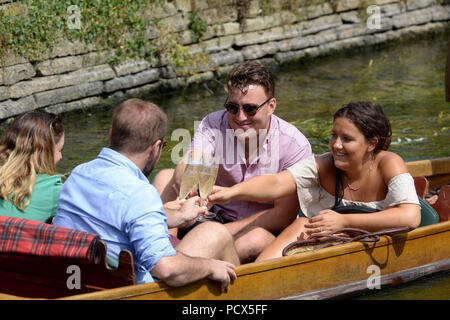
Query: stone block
x=259 y=51
x=156 y=11
x=24 y=88
x=130 y=67
x=10 y=108
x=261 y=23
x=65 y=47
x=4 y=93
x=383 y=2
x=393 y=9
x=95 y=58
x=168 y=72
x=59 y=65
x=315 y=11
x=66 y=94
x=284 y=57
x=254 y=9
x=349 y=31
x=272 y=34
x=419 y=4
x=200 y=77
x=75 y=105
x=183 y=5
x=350 y=17
x=441 y=13
x=226 y=29
x=16 y=73
x=134 y=80
x=142 y=90
x=322 y=23
x=412 y=18
x=229 y=57
x=322 y=37
x=10 y=59
x=216 y=44
x=177 y=22
x=346 y=5
x=172 y=84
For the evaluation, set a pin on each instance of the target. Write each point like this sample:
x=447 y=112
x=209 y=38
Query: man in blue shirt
x=112 y=197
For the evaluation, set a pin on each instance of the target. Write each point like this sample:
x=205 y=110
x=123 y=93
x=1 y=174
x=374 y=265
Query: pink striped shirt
x=283 y=146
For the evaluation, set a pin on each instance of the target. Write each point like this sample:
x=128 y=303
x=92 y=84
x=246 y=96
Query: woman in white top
x=370 y=175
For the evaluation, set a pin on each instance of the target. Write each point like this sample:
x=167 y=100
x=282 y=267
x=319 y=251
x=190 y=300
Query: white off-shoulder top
x=313 y=198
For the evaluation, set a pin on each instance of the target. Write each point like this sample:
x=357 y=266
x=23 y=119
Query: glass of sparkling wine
x=189 y=180
x=207 y=175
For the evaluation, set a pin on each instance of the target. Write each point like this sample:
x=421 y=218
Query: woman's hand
x=220 y=195
x=326 y=221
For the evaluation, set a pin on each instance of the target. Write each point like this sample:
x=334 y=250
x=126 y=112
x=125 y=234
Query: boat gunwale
x=278 y=263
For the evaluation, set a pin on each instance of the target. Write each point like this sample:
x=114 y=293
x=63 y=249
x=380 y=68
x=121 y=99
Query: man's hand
x=223 y=272
x=183 y=213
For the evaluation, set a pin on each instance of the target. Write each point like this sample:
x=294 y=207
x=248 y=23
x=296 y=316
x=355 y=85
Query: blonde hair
x=27 y=149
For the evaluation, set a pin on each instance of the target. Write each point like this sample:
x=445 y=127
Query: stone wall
x=75 y=76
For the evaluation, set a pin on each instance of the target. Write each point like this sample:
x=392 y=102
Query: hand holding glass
x=189 y=179
x=207 y=178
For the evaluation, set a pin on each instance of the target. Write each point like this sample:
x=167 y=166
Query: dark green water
x=433 y=288
x=406 y=78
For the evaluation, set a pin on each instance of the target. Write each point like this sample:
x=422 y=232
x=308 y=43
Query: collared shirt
x=281 y=147
x=43 y=202
x=111 y=197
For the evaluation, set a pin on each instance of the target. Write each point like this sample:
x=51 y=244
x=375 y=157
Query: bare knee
x=209 y=234
x=162 y=179
x=250 y=244
x=209 y=240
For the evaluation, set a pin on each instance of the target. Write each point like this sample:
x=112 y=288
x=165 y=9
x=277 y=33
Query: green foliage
x=197 y=26
x=32 y=28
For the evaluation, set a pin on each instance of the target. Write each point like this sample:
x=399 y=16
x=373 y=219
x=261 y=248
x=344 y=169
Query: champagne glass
x=189 y=180
x=207 y=175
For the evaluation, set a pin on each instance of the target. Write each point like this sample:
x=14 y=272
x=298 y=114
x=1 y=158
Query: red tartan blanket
x=28 y=237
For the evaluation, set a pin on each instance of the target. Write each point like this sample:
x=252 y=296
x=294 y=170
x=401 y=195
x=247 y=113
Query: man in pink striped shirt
x=250 y=140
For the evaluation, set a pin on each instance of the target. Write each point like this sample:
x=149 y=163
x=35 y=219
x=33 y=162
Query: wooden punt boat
x=337 y=271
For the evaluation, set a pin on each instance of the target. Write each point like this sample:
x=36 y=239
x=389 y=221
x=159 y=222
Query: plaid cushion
x=33 y=238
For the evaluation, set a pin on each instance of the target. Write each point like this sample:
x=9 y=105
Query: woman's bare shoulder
x=390 y=165
x=324 y=163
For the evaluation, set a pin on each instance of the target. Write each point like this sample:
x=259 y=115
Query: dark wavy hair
x=370 y=119
x=251 y=72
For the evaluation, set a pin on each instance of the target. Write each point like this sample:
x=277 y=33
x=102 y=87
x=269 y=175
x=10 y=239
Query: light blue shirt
x=111 y=197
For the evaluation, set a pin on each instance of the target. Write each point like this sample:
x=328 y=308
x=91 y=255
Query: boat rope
x=339 y=236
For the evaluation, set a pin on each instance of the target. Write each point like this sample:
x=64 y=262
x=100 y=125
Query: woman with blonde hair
x=29 y=150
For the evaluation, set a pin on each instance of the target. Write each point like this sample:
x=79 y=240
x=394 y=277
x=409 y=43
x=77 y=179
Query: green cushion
x=428 y=214
x=112 y=262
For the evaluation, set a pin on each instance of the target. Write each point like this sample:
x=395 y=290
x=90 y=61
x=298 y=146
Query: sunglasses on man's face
x=249 y=109
x=164 y=143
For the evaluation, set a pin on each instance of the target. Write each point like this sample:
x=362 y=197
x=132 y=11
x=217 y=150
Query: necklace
x=350 y=188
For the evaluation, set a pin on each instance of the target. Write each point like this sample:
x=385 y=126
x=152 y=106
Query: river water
x=406 y=78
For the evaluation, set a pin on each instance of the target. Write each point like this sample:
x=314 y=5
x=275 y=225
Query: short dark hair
x=370 y=119
x=137 y=124
x=251 y=72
